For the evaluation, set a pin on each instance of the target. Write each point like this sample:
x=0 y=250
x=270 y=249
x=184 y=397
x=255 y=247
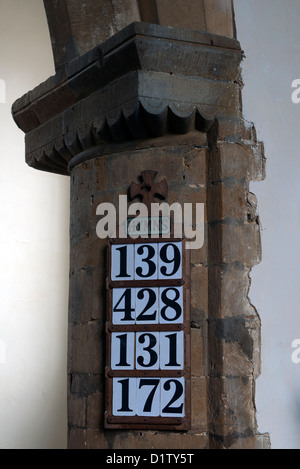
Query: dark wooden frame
x=141 y=422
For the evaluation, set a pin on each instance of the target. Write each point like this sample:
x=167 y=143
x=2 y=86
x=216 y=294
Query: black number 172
x=155 y=396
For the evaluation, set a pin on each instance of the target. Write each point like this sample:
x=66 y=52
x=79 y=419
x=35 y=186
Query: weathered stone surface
x=186 y=165
x=233 y=346
x=92 y=439
x=228 y=200
x=241 y=162
x=234 y=243
x=199 y=404
x=199 y=285
x=198 y=15
x=232 y=403
x=197 y=352
x=219 y=16
x=95 y=411
x=86 y=354
x=242 y=441
x=76 y=27
x=230 y=344
x=85 y=307
x=84 y=384
x=77 y=411
x=230 y=284
x=261 y=441
x=234 y=129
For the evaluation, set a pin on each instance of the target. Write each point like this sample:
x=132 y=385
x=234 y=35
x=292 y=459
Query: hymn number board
x=148 y=335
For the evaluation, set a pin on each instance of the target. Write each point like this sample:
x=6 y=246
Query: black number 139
x=151 y=261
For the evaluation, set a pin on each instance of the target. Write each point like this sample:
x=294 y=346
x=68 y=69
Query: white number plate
x=150 y=397
x=149 y=261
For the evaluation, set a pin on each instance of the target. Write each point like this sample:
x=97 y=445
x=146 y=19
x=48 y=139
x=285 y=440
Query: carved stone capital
x=144 y=82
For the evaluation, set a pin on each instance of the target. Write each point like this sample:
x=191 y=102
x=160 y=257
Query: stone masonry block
x=199 y=404
x=260 y=441
x=227 y=200
x=229 y=285
x=84 y=384
x=235 y=129
x=233 y=346
x=232 y=407
x=93 y=439
x=95 y=411
x=89 y=253
x=85 y=308
x=241 y=243
x=197 y=352
x=199 y=287
x=87 y=349
x=186 y=165
x=230 y=243
x=77 y=411
x=237 y=161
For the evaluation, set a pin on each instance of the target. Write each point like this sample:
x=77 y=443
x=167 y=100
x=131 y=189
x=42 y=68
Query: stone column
x=127 y=98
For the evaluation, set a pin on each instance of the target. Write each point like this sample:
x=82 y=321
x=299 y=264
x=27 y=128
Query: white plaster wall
x=34 y=222
x=270 y=36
